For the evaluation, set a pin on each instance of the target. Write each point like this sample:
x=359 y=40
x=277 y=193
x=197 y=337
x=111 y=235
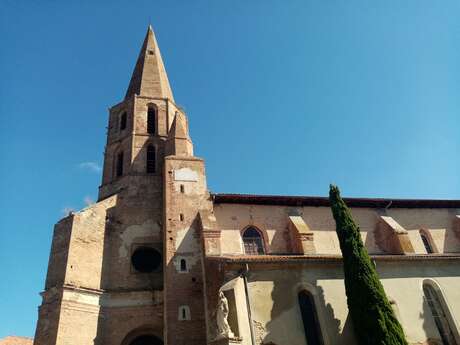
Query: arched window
x=151 y=119
x=119 y=167
x=253 y=242
x=440 y=314
x=426 y=242
x=183 y=265
x=309 y=318
x=151 y=159
x=123 y=119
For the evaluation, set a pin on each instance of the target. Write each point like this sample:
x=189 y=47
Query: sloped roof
x=149 y=77
x=317 y=201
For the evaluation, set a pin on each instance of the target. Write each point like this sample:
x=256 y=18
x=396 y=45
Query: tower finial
x=149 y=77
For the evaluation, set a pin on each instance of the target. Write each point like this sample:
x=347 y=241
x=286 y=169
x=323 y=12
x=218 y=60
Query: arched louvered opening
x=253 y=242
x=151 y=119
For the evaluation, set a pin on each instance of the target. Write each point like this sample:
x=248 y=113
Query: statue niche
x=223 y=328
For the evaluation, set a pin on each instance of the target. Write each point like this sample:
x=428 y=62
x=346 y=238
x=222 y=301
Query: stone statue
x=223 y=328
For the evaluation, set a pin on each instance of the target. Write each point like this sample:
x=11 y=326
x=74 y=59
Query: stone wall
x=185 y=195
x=274 y=222
x=273 y=295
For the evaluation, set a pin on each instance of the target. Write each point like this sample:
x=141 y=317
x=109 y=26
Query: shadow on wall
x=286 y=322
x=140 y=161
x=281 y=242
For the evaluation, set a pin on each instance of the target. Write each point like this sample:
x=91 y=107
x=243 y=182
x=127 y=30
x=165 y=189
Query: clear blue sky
x=283 y=97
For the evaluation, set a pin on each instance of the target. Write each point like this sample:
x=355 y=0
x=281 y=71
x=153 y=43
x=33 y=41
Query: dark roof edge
x=318 y=201
x=326 y=258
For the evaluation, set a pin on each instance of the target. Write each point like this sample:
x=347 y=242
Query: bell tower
x=138 y=126
x=128 y=269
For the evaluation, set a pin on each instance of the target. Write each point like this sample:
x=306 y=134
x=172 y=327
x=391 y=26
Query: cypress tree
x=373 y=319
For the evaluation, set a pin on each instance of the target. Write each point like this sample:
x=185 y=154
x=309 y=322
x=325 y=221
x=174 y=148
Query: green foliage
x=373 y=318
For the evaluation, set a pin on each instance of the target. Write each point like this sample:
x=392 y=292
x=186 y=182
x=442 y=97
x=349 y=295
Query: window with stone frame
x=253 y=242
x=434 y=300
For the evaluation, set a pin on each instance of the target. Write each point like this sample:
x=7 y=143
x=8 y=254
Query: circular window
x=146 y=259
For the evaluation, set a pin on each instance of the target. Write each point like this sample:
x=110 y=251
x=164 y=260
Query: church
x=158 y=259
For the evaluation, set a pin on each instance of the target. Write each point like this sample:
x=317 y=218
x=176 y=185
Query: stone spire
x=149 y=77
x=179 y=142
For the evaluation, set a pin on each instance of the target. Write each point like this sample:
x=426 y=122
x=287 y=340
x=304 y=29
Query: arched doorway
x=143 y=336
x=146 y=340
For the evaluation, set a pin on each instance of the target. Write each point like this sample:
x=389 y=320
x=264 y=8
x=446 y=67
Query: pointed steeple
x=149 y=77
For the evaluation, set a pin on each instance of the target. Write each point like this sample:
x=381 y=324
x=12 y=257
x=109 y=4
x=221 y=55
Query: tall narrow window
x=183 y=265
x=426 y=242
x=309 y=318
x=151 y=159
x=123 y=120
x=433 y=298
x=253 y=242
x=119 y=167
x=151 y=120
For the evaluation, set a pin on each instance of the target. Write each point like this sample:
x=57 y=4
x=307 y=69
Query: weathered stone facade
x=160 y=260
